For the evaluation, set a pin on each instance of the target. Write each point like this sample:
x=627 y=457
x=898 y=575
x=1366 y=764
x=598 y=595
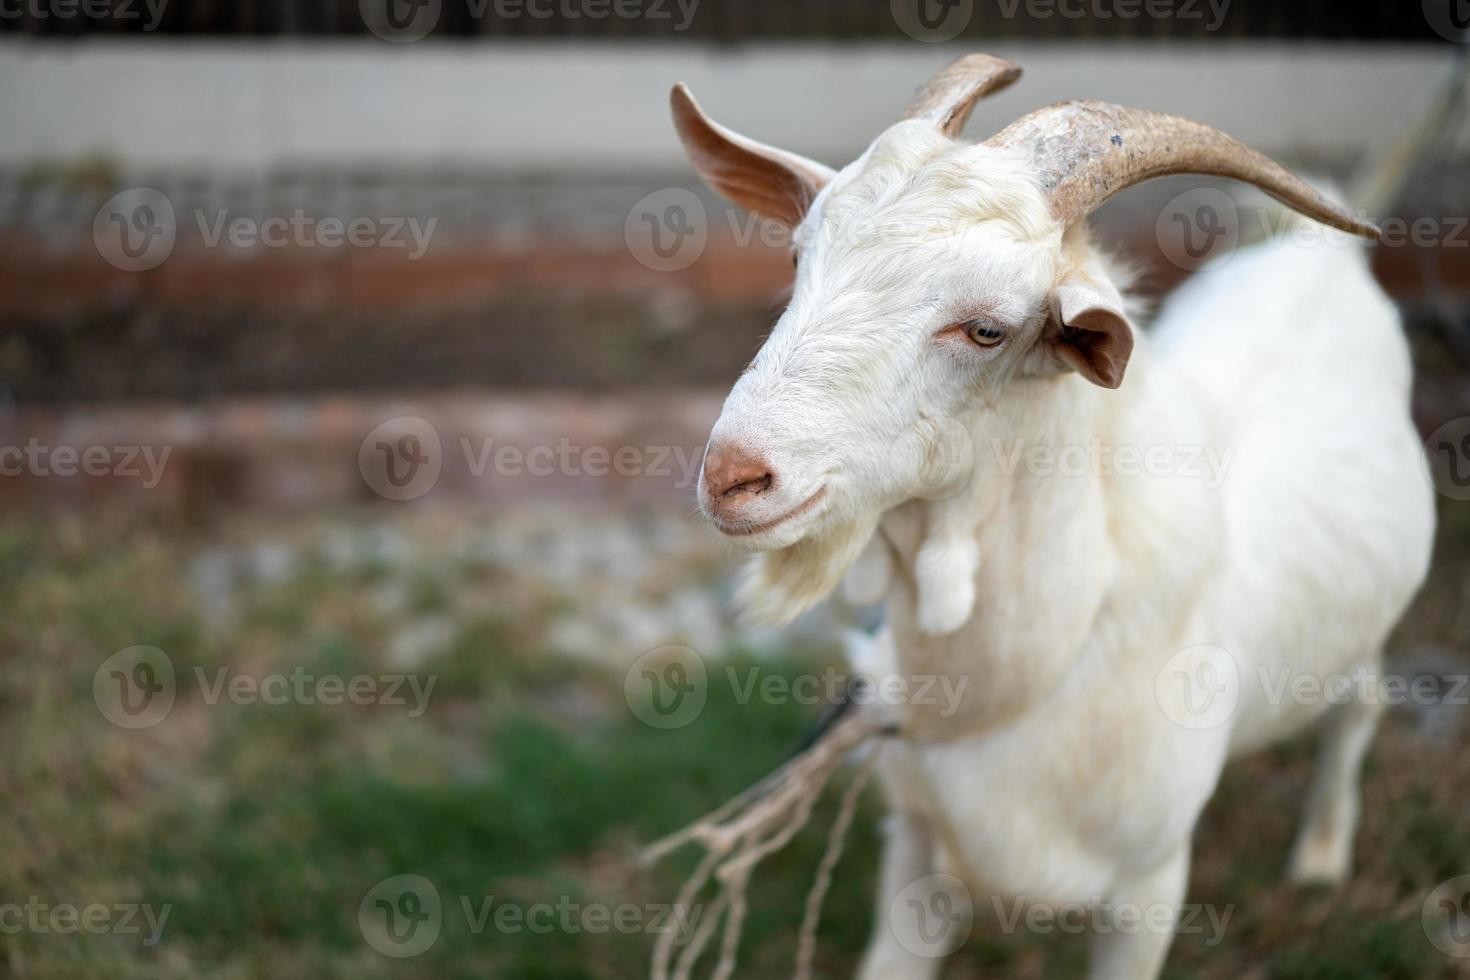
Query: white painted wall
x=243 y=106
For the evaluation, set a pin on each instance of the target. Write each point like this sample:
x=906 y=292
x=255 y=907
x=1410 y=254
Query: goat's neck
x=1063 y=543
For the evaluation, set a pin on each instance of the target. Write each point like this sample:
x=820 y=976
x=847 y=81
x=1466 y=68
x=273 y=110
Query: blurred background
x=356 y=361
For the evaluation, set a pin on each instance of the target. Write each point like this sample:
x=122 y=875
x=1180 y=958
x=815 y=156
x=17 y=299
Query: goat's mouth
x=745 y=529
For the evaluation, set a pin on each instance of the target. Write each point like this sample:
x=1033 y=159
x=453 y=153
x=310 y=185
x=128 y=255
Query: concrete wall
x=248 y=106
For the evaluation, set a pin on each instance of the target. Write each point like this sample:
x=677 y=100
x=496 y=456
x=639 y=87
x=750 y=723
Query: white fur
x=1062 y=596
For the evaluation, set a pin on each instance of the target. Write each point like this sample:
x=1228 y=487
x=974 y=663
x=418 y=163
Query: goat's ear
x=771 y=182
x=1089 y=331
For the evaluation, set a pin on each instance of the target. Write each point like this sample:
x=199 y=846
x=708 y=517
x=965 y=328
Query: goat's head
x=932 y=276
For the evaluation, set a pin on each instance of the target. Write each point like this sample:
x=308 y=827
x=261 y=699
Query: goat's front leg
x=1148 y=905
x=1324 y=850
x=908 y=856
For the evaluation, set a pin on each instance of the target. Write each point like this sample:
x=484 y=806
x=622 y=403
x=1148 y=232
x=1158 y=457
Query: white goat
x=944 y=286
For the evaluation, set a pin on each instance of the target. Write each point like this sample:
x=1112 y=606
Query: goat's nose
x=730 y=471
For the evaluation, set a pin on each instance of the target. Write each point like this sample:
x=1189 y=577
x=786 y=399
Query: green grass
x=527 y=779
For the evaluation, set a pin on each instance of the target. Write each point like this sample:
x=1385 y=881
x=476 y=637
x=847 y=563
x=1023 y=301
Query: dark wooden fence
x=734 y=21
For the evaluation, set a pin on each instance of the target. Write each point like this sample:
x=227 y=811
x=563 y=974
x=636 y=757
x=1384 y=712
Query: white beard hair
x=779 y=586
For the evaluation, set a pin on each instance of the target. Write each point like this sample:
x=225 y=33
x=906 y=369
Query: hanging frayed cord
x=806 y=949
x=751 y=827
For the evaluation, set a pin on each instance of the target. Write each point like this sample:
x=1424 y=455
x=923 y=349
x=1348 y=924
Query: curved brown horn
x=1087 y=151
x=950 y=96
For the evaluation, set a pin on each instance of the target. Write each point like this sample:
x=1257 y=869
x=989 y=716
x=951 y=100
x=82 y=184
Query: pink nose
x=731 y=475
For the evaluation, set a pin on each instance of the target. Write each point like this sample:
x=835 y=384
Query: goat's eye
x=795 y=260
x=985 y=333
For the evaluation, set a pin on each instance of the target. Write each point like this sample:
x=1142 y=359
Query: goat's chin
x=781 y=584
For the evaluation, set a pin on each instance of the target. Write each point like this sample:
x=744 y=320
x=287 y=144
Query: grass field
x=526 y=782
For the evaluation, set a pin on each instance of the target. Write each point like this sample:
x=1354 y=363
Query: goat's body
x=1329 y=510
x=1160 y=538
x=1078 y=767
